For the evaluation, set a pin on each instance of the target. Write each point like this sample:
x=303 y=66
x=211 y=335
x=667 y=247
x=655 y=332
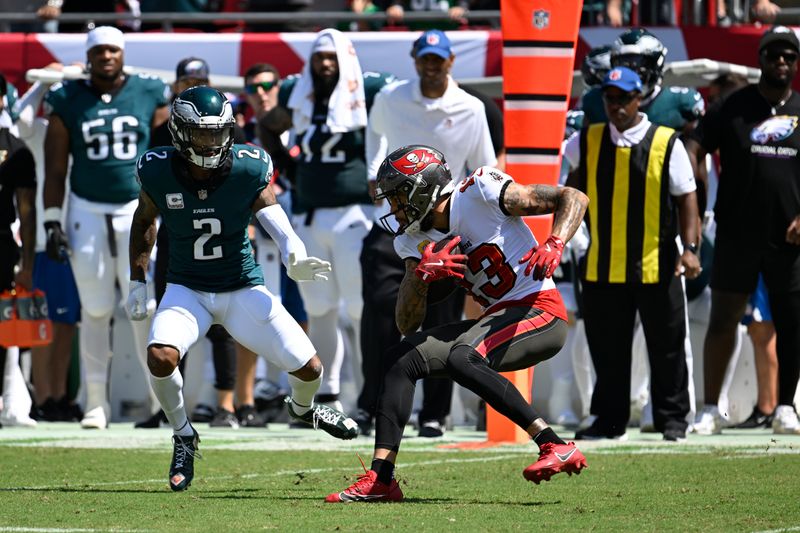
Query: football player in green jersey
x=642 y=52
x=206 y=189
x=326 y=109
x=102 y=124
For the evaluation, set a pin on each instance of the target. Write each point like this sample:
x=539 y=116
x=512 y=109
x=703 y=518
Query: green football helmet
x=201 y=124
x=596 y=65
x=643 y=53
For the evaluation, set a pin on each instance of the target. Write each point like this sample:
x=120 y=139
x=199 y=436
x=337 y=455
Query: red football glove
x=543 y=259
x=441 y=264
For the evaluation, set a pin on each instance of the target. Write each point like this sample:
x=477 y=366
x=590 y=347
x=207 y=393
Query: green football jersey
x=209 y=248
x=331 y=168
x=672 y=107
x=11 y=98
x=107 y=133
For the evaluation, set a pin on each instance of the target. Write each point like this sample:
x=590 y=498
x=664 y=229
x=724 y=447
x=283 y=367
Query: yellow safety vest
x=631 y=216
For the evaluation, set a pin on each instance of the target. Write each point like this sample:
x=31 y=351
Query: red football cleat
x=368 y=489
x=555 y=458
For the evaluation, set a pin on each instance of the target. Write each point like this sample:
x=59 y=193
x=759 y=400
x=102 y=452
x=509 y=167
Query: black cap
x=779 y=34
x=192 y=67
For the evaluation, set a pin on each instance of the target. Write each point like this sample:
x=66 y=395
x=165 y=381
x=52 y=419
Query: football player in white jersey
x=471 y=232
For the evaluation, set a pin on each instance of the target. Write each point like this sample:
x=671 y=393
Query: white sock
x=303 y=393
x=97 y=396
x=323 y=331
x=9 y=375
x=95 y=347
x=169 y=391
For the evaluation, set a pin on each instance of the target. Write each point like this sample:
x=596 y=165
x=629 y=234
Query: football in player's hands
x=455 y=247
x=442 y=260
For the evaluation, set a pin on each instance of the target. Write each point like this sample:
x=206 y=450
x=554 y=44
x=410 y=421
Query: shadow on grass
x=435 y=501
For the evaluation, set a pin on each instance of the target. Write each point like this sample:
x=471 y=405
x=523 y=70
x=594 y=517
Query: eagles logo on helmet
x=596 y=65
x=643 y=53
x=412 y=178
x=201 y=125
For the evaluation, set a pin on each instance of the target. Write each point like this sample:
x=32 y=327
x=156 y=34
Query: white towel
x=347 y=109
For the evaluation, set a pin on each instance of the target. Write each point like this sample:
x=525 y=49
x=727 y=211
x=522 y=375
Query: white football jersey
x=493 y=240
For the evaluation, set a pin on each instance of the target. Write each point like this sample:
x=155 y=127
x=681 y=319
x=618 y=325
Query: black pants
x=9 y=255
x=473 y=353
x=609 y=315
x=382 y=271
x=780 y=266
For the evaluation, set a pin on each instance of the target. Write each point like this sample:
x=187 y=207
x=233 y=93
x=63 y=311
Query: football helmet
x=201 y=125
x=596 y=65
x=414 y=178
x=575 y=119
x=643 y=53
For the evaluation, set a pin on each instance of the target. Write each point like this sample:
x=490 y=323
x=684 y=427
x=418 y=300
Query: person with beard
x=103 y=124
x=471 y=232
x=431 y=109
x=641 y=193
x=326 y=108
x=757 y=213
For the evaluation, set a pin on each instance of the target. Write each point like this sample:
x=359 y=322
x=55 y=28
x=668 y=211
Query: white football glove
x=307 y=269
x=137 y=300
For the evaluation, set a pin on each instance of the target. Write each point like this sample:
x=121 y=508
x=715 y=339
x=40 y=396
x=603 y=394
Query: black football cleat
x=332 y=421
x=757 y=419
x=181 y=470
x=153 y=421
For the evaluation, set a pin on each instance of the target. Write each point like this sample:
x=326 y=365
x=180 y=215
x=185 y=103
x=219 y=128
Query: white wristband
x=273 y=219
x=52 y=214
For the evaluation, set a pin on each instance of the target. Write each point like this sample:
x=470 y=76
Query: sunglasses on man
x=775 y=55
x=252 y=88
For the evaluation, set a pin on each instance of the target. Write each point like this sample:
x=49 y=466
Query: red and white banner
x=478 y=53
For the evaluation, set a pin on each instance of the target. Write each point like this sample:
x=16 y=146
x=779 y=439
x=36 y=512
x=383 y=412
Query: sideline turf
x=639 y=486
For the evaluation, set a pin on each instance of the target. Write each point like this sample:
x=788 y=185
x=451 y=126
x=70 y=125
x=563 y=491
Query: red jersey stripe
x=508 y=333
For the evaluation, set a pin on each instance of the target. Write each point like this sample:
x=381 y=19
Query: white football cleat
x=785 y=421
x=9 y=418
x=95 y=418
x=708 y=422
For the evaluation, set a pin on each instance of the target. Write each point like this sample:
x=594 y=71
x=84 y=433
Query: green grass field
x=57 y=478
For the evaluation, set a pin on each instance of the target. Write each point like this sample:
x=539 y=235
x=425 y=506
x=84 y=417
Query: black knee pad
x=462 y=358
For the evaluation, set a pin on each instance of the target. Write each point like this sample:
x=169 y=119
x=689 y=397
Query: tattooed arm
x=411 y=301
x=143 y=236
x=566 y=203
